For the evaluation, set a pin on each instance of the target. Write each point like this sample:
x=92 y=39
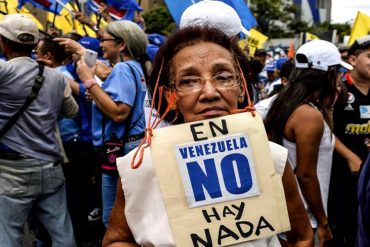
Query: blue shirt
x=84 y=115
x=123 y=87
x=69 y=128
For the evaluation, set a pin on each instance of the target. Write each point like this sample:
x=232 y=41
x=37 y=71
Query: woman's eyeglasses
x=107 y=39
x=223 y=80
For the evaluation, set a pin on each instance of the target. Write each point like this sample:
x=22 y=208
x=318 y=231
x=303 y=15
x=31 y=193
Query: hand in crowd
x=324 y=234
x=102 y=70
x=88 y=95
x=71 y=46
x=104 y=12
x=85 y=72
x=84 y=19
x=354 y=163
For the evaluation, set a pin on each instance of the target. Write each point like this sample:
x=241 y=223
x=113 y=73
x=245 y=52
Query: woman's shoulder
x=307 y=114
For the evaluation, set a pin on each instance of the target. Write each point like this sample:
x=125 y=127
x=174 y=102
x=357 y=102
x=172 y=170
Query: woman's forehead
x=203 y=54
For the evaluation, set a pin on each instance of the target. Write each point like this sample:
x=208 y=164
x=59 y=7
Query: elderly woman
x=299 y=119
x=199 y=65
x=117 y=116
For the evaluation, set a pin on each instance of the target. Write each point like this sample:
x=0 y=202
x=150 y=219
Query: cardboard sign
x=218 y=181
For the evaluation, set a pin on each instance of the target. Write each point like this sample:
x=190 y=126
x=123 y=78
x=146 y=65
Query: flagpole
x=55 y=13
x=79 y=9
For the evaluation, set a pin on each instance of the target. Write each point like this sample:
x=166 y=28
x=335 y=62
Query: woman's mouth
x=213 y=112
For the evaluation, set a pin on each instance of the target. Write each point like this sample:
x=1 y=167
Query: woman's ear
x=122 y=46
x=242 y=94
x=241 y=97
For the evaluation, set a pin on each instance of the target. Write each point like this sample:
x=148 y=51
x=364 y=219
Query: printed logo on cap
x=26 y=37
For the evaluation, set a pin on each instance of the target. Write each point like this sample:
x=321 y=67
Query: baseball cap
x=319 y=54
x=260 y=52
x=156 y=39
x=20 y=29
x=214 y=14
x=360 y=43
x=279 y=62
x=92 y=44
x=270 y=67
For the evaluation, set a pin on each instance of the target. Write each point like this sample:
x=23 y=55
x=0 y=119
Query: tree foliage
x=159 y=20
x=277 y=19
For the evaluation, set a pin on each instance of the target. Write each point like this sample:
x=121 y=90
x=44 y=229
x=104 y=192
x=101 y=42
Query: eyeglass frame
x=109 y=39
x=237 y=78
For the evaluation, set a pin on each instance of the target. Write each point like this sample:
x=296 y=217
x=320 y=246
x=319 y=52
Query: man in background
x=32 y=181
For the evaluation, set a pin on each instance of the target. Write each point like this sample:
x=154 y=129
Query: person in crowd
x=32 y=182
x=343 y=49
x=299 y=119
x=263 y=106
x=119 y=103
x=77 y=142
x=363 y=230
x=268 y=80
x=261 y=55
x=192 y=52
x=350 y=120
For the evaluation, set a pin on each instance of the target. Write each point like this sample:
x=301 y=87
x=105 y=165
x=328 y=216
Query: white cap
x=214 y=14
x=20 y=29
x=320 y=54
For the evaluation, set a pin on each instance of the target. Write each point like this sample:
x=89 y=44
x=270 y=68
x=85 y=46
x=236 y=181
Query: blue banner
x=48 y=5
x=176 y=9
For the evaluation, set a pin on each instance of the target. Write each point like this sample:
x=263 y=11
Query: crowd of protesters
x=58 y=156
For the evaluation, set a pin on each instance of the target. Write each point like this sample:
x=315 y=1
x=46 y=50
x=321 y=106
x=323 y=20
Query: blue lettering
x=235 y=144
x=228 y=145
x=243 y=143
x=228 y=173
x=184 y=153
x=221 y=146
x=191 y=152
x=206 y=149
x=214 y=150
x=207 y=180
x=199 y=150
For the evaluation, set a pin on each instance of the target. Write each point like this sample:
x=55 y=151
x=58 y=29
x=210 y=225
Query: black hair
x=72 y=35
x=18 y=47
x=287 y=68
x=54 y=48
x=183 y=38
x=305 y=86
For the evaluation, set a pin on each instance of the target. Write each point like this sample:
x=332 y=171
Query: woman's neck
x=121 y=58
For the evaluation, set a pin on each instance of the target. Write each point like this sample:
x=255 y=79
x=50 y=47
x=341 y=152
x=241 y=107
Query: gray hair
x=131 y=34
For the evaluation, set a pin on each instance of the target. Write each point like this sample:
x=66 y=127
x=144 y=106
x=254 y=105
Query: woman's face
x=210 y=62
x=111 y=50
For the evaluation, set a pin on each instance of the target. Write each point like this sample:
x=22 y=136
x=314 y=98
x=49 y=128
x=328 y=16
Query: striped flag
x=118 y=9
x=48 y=5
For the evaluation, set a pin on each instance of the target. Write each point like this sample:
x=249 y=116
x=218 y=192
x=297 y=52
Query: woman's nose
x=209 y=91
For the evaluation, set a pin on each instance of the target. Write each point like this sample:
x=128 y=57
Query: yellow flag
x=255 y=41
x=44 y=19
x=311 y=36
x=360 y=28
x=11 y=8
